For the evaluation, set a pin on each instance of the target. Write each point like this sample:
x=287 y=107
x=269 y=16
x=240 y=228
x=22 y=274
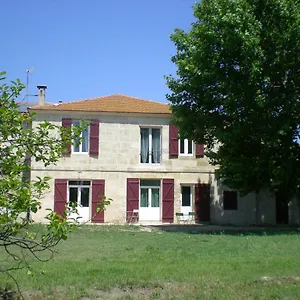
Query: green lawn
x=115 y=262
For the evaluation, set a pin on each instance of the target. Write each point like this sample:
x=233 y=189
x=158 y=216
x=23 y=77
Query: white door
x=149 y=209
x=79 y=194
x=186 y=201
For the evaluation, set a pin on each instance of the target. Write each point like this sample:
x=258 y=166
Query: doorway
x=282 y=210
x=150 y=200
x=79 y=194
x=186 y=201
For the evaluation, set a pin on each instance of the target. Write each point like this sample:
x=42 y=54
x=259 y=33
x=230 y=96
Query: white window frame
x=149 y=188
x=185 y=147
x=191 y=195
x=80 y=145
x=150 y=145
x=79 y=187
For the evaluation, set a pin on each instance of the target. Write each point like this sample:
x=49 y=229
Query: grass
x=115 y=262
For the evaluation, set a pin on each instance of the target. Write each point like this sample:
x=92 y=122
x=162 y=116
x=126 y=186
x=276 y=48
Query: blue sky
x=89 y=48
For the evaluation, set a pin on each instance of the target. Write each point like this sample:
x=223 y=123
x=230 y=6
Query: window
x=150 y=193
x=81 y=145
x=186 y=195
x=186 y=147
x=79 y=193
x=230 y=200
x=150 y=145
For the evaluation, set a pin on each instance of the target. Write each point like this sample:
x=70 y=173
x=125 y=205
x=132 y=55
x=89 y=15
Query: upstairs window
x=89 y=140
x=185 y=147
x=81 y=145
x=150 y=145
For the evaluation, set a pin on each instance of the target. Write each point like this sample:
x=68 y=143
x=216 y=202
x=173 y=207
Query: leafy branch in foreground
x=19 y=194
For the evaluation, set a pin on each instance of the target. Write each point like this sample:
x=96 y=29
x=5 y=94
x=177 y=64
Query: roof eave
x=98 y=111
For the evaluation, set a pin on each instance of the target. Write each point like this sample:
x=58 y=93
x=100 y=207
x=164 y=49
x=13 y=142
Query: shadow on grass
x=229 y=230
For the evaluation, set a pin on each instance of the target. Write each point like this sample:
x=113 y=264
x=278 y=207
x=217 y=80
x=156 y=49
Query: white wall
x=244 y=215
x=266 y=213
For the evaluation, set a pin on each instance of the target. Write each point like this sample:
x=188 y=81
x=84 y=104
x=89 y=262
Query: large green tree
x=237 y=90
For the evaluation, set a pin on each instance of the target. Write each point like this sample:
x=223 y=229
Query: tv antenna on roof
x=27 y=82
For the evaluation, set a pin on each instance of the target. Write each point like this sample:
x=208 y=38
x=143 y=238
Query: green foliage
x=20 y=143
x=103 y=202
x=237 y=90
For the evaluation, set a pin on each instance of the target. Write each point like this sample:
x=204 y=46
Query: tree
x=20 y=195
x=237 y=88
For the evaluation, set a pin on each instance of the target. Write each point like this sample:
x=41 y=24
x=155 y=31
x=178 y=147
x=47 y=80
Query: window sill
x=82 y=153
x=186 y=157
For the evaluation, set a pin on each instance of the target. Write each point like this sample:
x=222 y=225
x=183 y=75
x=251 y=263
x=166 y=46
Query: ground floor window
x=150 y=193
x=150 y=200
x=230 y=200
x=187 y=207
x=79 y=193
x=186 y=195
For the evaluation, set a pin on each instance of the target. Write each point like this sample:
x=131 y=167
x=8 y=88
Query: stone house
x=131 y=153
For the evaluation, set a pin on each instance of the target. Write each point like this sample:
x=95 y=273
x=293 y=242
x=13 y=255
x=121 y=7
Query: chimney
x=41 y=95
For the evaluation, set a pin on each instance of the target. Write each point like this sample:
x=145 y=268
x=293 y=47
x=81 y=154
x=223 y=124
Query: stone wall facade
x=119 y=159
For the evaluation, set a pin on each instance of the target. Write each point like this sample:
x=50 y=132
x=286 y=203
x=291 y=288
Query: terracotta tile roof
x=113 y=103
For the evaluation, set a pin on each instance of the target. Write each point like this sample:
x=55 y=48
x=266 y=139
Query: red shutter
x=133 y=185
x=173 y=141
x=67 y=123
x=94 y=138
x=200 y=150
x=98 y=190
x=60 y=196
x=168 y=201
x=202 y=202
x=197 y=202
